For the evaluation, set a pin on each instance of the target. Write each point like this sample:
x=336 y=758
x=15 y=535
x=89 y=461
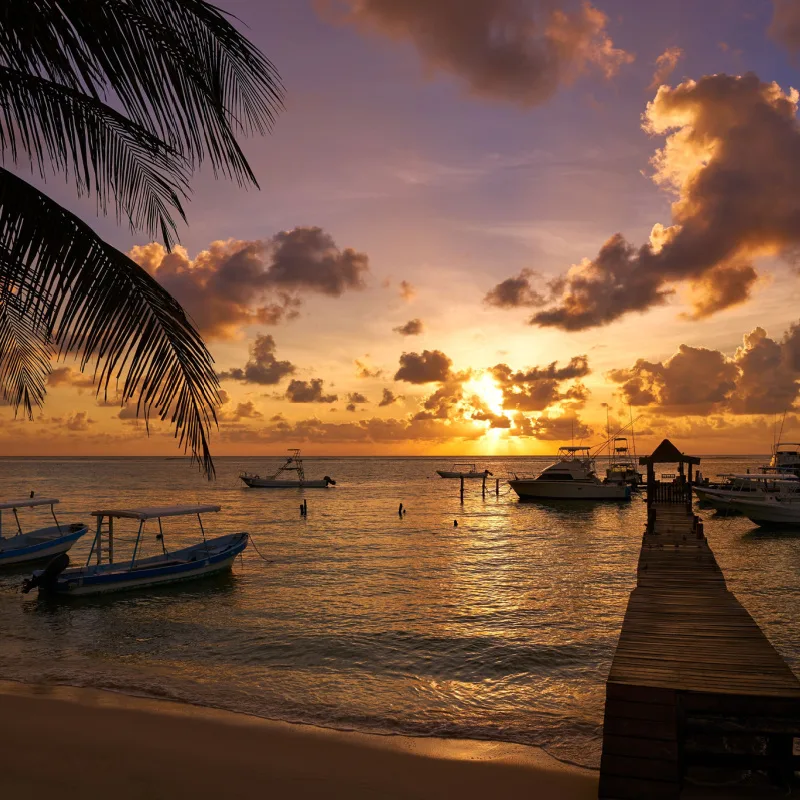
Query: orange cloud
x=665 y=65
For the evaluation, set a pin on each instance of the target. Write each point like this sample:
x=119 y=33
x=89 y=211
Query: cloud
x=407 y=291
x=243 y=411
x=365 y=371
x=539 y=387
x=562 y=428
x=760 y=378
x=66 y=376
x=388 y=399
x=517 y=292
x=308 y=392
x=78 y=421
x=429 y=367
x=413 y=327
x=353 y=399
x=262 y=367
x=505 y=50
x=665 y=65
x=235 y=283
x=731 y=160
x=442 y=404
x=785 y=25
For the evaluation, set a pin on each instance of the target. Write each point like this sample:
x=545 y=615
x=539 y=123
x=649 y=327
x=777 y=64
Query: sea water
x=501 y=628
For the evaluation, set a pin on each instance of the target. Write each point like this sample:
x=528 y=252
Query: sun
x=488 y=391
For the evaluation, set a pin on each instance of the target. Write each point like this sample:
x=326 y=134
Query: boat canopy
x=29 y=502
x=154 y=512
x=763 y=478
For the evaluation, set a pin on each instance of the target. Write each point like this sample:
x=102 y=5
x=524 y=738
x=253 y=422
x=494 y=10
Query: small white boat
x=747 y=486
x=38 y=544
x=197 y=561
x=464 y=471
x=773 y=510
x=293 y=464
x=572 y=477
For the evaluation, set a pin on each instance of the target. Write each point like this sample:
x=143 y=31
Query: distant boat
x=464 y=471
x=293 y=464
x=622 y=465
x=37 y=544
x=572 y=477
x=197 y=561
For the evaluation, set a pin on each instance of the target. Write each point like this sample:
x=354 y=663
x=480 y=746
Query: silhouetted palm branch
x=125 y=97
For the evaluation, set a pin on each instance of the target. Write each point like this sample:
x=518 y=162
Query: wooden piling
x=497 y=487
x=483 y=488
x=462 y=488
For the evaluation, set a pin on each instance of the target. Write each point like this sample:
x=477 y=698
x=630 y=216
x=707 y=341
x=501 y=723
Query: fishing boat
x=746 y=487
x=622 y=465
x=294 y=464
x=463 y=471
x=785 y=458
x=40 y=543
x=769 y=511
x=188 y=563
x=572 y=477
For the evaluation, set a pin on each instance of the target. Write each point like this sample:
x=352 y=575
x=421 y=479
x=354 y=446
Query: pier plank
x=690 y=658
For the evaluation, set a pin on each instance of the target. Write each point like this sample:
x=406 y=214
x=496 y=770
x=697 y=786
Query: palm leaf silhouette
x=124 y=98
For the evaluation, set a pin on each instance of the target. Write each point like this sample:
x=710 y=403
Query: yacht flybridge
x=280 y=479
x=622 y=464
x=572 y=477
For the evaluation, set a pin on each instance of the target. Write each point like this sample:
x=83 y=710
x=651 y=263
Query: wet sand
x=81 y=743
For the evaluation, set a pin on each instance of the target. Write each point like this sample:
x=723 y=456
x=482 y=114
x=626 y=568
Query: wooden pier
x=697 y=698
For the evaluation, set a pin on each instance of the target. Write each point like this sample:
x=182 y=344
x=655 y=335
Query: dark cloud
x=308 y=392
x=242 y=411
x=262 y=367
x=413 y=327
x=518 y=292
x=564 y=428
x=365 y=371
x=519 y=52
x=235 y=283
x=388 y=399
x=732 y=160
x=785 y=26
x=407 y=291
x=429 y=367
x=79 y=421
x=539 y=387
x=444 y=402
x=761 y=378
x=353 y=399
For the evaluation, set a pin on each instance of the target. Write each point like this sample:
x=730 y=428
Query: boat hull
x=191 y=563
x=535 y=489
x=445 y=474
x=38 y=551
x=255 y=482
x=770 y=514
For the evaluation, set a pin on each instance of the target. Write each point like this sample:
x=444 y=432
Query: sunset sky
x=481 y=221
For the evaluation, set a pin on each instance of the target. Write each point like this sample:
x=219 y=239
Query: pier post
x=462 y=488
x=497 y=487
x=483 y=488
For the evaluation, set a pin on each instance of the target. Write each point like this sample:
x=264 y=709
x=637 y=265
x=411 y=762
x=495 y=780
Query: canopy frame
x=28 y=502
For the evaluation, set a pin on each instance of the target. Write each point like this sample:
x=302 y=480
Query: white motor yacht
x=753 y=488
x=771 y=510
x=785 y=458
x=572 y=477
x=622 y=465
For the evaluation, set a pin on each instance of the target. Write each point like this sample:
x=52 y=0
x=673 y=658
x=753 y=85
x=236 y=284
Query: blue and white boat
x=38 y=544
x=197 y=561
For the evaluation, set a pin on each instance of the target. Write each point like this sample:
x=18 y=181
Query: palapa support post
x=462 y=488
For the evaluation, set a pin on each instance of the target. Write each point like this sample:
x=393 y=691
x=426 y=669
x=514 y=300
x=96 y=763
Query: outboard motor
x=329 y=481
x=47 y=578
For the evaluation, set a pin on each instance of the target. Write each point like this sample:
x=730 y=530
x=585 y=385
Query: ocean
x=501 y=628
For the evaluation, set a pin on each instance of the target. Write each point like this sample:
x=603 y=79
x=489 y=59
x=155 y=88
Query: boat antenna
x=780 y=432
x=608 y=436
x=633 y=433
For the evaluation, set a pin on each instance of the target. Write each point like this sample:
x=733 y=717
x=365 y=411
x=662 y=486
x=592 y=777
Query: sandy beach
x=80 y=743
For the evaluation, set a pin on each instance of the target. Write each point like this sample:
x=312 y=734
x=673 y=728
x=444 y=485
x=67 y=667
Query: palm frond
x=24 y=356
x=103 y=151
x=95 y=302
x=178 y=67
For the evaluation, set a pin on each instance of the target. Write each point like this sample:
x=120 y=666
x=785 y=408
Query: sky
x=489 y=227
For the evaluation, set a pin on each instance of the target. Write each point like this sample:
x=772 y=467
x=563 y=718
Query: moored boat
x=622 y=465
x=293 y=464
x=755 y=488
x=773 y=510
x=572 y=477
x=199 y=560
x=38 y=544
x=463 y=471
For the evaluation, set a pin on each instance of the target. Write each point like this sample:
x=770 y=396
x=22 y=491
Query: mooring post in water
x=497 y=487
x=483 y=489
x=301 y=509
x=462 y=488
x=400 y=511
x=305 y=508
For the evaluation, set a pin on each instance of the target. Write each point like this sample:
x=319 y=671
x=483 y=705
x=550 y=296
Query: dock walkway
x=695 y=690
